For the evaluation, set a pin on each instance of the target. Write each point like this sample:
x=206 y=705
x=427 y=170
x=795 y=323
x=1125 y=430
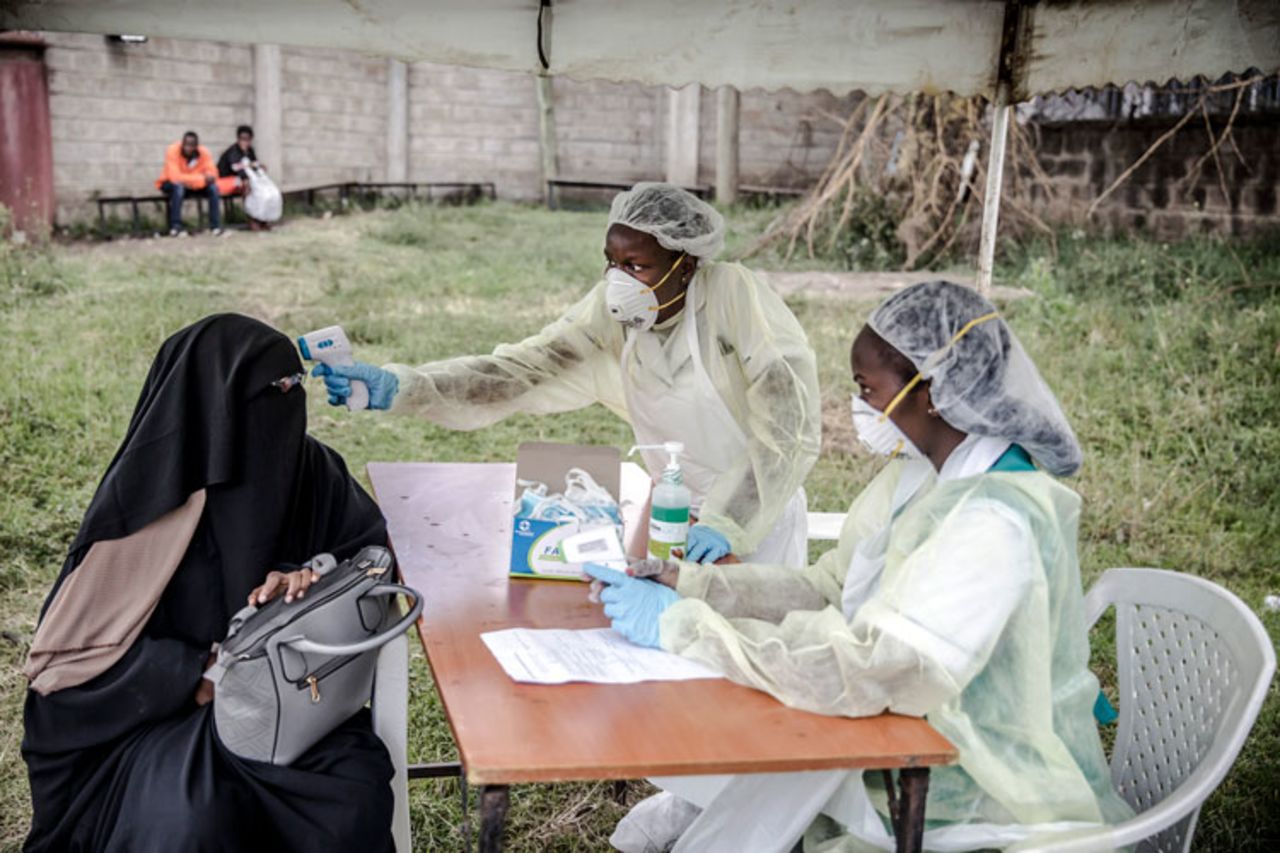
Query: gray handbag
x=288 y=674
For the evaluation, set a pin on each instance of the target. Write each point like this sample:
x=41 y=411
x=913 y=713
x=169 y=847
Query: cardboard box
x=535 y=543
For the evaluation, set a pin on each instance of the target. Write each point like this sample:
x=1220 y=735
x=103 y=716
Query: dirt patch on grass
x=870 y=286
x=202 y=243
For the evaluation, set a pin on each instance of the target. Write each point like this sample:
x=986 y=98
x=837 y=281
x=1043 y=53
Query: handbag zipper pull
x=315 y=689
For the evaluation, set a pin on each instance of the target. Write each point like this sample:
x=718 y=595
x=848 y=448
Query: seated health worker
x=954 y=593
x=216 y=494
x=680 y=346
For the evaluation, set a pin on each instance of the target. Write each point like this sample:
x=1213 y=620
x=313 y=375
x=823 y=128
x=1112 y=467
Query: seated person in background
x=216 y=485
x=954 y=593
x=231 y=167
x=189 y=171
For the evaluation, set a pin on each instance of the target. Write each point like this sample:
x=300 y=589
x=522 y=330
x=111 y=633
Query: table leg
x=466 y=813
x=906 y=810
x=494 y=800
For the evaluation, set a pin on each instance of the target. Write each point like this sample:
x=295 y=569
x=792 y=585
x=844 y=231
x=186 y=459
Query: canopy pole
x=991 y=198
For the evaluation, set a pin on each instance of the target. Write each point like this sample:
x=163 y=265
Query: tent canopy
x=838 y=45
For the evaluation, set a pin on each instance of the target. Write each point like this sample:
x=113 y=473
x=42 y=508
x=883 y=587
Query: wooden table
x=450 y=528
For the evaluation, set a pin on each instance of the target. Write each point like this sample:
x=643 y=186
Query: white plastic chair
x=825 y=526
x=390 y=708
x=1194 y=664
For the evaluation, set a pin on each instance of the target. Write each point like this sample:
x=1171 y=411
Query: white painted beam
x=727 y=107
x=268 y=136
x=683 y=108
x=397 y=168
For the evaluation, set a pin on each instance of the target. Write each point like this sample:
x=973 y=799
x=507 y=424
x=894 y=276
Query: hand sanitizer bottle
x=669 y=519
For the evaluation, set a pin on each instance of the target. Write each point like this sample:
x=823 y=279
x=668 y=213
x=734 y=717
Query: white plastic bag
x=264 y=202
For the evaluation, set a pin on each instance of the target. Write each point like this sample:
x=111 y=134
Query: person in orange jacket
x=189 y=170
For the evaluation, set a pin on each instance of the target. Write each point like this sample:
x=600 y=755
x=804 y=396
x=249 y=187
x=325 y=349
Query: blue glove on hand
x=633 y=605
x=705 y=545
x=382 y=384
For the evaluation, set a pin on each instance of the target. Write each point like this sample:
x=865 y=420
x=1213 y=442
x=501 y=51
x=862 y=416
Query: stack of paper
x=597 y=655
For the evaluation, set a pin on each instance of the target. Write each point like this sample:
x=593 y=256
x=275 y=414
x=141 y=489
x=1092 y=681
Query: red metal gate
x=26 y=150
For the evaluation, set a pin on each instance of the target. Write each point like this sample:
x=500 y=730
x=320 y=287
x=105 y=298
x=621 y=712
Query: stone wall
x=1162 y=196
x=610 y=131
x=334 y=116
x=114 y=109
x=785 y=139
x=472 y=124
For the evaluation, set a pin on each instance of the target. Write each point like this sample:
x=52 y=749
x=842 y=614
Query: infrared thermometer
x=330 y=346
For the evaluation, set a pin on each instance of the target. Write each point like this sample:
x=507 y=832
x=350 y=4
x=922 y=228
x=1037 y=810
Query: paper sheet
x=596 y=655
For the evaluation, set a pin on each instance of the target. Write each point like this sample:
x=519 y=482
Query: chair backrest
x=390 y=707
x=1193 y=664
x=825 y=526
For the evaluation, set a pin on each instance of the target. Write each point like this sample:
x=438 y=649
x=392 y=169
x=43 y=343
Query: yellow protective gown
x=754 y=349
x=975 y=622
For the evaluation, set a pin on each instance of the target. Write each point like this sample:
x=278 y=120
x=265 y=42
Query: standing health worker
x=682 y=347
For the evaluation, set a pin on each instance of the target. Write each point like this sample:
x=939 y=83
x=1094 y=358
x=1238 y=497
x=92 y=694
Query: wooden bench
x=771 y=194
x=555 y=185
x=465 y=192
x=161 y=200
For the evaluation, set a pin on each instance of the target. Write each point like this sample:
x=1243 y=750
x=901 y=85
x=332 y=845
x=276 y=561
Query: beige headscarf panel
x=103 y=605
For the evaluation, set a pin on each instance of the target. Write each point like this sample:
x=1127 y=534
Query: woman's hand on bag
x=293 y=584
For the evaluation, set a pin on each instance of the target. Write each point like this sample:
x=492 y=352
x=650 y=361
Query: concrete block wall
x=471 y=124
x=610 y=131
x=785 y=138
x=1084 y=158
x=113 y=109
x=334 y=116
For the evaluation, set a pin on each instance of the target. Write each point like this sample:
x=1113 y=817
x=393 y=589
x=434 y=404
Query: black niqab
x=108 y=758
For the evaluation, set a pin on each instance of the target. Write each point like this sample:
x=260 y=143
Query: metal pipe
x=991 y=198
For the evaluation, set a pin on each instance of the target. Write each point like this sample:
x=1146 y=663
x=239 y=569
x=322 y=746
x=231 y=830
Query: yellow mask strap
x=669 y=302
x=679 y=295
x=964 y=330
x=663 y=280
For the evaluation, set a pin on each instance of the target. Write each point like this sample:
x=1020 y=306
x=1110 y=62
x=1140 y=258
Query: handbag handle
x=302 y=644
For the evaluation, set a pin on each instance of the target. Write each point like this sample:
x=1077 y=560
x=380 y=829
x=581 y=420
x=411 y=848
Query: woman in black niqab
x=127 y=761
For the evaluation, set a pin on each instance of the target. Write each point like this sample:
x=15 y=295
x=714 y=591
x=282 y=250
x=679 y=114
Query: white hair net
x=984 y=383
x=679 y=220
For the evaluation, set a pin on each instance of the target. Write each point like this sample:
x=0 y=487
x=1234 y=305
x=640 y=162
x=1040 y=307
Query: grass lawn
x=1167 y=358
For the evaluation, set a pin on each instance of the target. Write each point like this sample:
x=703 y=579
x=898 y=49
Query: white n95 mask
x=879 y=434
x=633 y=303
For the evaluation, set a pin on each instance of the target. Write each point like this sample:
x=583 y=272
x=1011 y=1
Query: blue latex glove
x=633 y=605
x=383 y=384
x=705 y=545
